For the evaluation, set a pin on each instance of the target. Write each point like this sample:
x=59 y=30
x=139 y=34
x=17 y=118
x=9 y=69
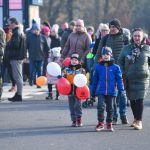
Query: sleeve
x=94 y=81
x=2 y=42
x=121 y=60
x=88 y=41
x=118 y=75
x=15 y=41
x=66 y=49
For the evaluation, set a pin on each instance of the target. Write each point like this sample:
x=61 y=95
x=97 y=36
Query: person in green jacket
x=134 y=62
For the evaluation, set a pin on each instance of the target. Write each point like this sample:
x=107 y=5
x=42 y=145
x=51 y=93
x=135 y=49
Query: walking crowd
x=116 y=59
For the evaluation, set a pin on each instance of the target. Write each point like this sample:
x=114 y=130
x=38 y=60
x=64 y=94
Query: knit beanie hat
x=107 y=51
x=115 y=22
x=75 y=55
x=46 y=29
x=35 y=26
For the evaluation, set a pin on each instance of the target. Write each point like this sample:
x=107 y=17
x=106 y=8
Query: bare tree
x=97 y=12
x=70 y=9
x=106 y=10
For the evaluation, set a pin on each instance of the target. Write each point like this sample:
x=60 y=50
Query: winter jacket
x=137 y=71
x=2 y=43
x=77 y=43
x=16 y=47
x=107 y=79
x=55 y=41
x=65 y=37
x=115 y=42
x=37 y=46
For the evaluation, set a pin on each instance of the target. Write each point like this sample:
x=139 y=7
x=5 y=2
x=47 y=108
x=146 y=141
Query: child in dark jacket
x=74 y=103
x=107 y=79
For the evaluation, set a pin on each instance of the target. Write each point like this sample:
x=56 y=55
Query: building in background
x=23 y=10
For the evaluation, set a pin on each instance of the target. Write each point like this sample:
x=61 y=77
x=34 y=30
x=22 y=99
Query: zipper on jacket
x=106 y=80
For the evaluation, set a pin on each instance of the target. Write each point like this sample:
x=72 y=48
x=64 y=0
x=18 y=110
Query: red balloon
x=67 y=61
x=63 y=86
x=82 y=93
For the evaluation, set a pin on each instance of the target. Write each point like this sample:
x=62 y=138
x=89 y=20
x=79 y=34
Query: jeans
x=35 y=69
x=122 y=100
x=75 y=107
x=102 y=101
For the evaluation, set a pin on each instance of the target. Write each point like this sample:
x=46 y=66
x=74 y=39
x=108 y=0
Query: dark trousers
x=105 y=101
x=137 y=107
x=7 y=65
x=36 y=67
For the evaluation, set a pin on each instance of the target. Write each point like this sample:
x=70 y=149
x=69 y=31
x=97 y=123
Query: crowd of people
x=118 y=54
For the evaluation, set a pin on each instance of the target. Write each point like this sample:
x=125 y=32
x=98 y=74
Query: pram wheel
x=85 y=104
x=90 y=103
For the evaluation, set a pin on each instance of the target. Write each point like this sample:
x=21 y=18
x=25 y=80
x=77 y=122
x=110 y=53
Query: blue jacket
x=107 y=79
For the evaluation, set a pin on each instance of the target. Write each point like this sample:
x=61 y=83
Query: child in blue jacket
x=107 y=79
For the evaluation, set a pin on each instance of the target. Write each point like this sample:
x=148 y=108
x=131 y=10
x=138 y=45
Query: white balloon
x=53 y=69
x=80 y=80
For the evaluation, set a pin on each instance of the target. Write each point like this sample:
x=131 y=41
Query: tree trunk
x=106 y=10
x=97 y=12
x=70 y=10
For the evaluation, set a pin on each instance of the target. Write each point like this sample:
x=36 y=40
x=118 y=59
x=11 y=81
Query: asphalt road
x=37 y=124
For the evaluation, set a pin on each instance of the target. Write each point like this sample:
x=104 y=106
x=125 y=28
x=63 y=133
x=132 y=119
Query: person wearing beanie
x=38 y=49
x=116 y=41
x=74 y=103
x=116 y=23
x=109 y=76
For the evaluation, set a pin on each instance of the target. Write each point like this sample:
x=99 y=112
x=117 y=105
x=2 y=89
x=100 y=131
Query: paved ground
x=37 y=124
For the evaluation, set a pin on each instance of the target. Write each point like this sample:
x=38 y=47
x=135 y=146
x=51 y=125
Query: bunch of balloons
x=64 y=86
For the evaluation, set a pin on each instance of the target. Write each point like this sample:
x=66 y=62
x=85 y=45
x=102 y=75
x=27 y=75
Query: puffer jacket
x=137 y=73
x=77 y=43
x=107 y=79
x=115 y=42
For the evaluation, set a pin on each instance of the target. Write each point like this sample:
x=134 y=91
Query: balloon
x=80 y=80
x=67 y=61
x=53 y=69
x=40 y=81
x=63 y=86
x=82 y=93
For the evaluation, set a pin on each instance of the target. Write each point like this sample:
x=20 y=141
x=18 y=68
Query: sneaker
x=124 y=120
x=138 y=125
x=114 y=122
x=100 y=126
x=16 y=98
x=110 y=127
x=79 y=122
x=134 y=123
x=73 y=124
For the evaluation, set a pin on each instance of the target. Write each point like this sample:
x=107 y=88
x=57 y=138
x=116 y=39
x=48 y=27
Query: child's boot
x=49 y=96
x=57 y=95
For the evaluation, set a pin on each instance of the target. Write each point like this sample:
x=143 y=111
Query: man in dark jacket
x=2 y=45
x=38 y=49
x=17 y=52
x=115 y=40
x=66 y=34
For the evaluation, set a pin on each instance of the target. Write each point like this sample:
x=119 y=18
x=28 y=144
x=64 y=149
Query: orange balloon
x=40 y=81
